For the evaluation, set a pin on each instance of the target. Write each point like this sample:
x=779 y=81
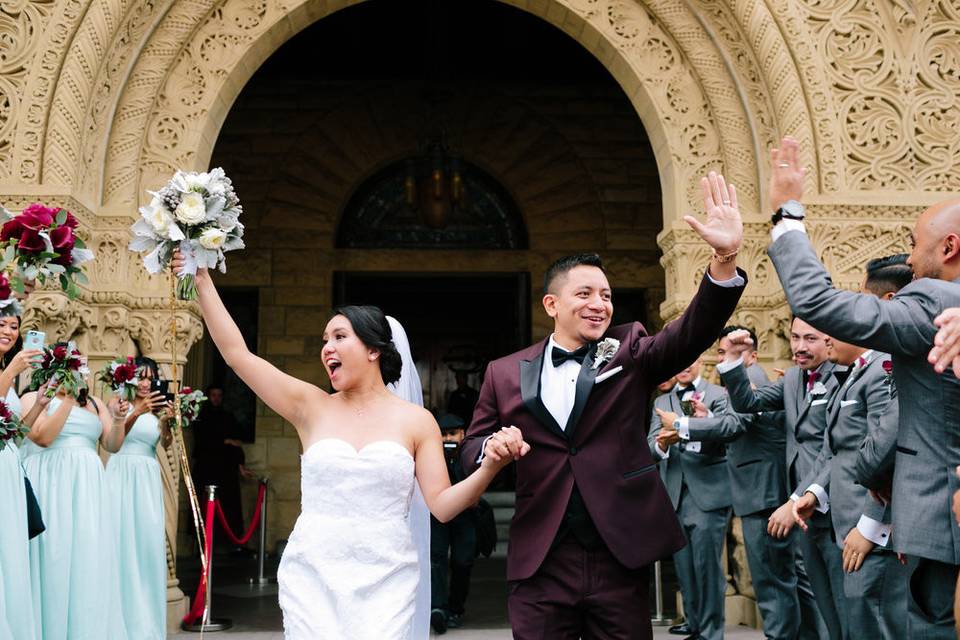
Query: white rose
x=192 y=209
x=212 y=238
x=159 y=217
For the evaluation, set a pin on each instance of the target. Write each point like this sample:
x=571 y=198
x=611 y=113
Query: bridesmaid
x=136 y=492
x=17 y=620
x=73 y=566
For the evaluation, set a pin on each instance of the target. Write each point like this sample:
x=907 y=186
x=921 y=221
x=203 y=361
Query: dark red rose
x=5 y=291
x=71 y=220
x=887 y=367
x=65 y=259
x=186 y=391
x=62 y=238
x=60 y=352
x=74 y=363
x=11 y=229
x=37 y=217
x=31 y=241
x=47 y=359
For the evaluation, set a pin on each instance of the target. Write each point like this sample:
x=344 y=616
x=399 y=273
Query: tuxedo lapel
x=584 y=386
x=530 y=394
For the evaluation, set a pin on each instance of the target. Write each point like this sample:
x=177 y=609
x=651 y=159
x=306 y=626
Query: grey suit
x=756 y=464
x=699 y=489
x=805 y=419
x=928 y=446
x=876 y=595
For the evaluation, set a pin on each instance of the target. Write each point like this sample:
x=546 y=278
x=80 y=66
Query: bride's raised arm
x=286 y=395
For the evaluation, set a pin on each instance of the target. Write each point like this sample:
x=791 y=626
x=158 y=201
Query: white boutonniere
x=818 y=389
x=606 y=348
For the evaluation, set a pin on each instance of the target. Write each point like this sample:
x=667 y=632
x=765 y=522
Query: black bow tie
x=683 y=391
x=559 y=356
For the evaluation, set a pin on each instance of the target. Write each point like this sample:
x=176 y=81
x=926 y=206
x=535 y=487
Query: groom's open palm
x=723 y=228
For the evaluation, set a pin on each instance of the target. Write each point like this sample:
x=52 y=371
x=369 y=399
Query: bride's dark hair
x=371 y=326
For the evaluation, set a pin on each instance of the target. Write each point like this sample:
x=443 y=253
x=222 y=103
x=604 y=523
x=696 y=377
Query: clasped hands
x=668 y=419
x=503 y=447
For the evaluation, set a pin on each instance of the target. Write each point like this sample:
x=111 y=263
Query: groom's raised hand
x=723 y=227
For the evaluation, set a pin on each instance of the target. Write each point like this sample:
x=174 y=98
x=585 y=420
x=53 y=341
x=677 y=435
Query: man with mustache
x=802 y=393
x=928 y=438
x=696 y=477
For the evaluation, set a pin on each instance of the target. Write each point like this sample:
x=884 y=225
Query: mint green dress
x=136 y=493
x=73 y=563
x=17 y=621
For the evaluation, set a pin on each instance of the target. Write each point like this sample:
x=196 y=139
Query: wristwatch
x=789 y=210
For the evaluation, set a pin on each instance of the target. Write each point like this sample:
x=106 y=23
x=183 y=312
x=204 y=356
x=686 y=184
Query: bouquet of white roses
x=63 y=364
x=190 y=403
x=197 y=213
x=10 y=426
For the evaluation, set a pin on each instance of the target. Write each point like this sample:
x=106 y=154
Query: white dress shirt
x=558 y=385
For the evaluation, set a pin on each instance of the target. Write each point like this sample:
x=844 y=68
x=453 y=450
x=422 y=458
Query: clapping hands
x=503 y=447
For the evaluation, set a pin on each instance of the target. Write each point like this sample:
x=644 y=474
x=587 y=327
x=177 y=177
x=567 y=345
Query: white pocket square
x=607 y=374
x=816 y=402
x=847 y=403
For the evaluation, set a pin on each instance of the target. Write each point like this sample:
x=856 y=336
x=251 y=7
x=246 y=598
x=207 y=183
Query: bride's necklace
x=363 y=408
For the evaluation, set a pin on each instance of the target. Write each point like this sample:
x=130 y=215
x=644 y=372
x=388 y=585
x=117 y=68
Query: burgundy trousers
x=578 y=593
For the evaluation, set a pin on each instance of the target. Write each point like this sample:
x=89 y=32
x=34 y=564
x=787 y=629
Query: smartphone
x=159 y=386
x=34 y=340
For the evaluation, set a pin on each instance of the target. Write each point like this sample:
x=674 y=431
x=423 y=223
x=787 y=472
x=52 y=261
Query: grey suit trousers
x=824 y=563
x=930 y=601
x=699 y=566
x=812 y=626
x=773 y=569
x=876 y=597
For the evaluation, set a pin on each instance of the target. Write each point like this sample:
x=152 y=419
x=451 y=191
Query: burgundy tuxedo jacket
x=604 y=445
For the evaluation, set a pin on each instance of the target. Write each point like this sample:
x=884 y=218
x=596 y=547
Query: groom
x=591 y=511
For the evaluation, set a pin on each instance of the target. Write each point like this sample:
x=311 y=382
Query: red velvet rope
x=253 y=523
x=199 y=600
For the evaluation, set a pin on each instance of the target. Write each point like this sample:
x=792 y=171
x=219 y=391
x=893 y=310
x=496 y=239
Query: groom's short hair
x=565 y=264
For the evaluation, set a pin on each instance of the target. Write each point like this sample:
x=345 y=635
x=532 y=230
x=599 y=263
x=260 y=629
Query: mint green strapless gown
x=73 y=564
x=17 y=621
x=136 y=493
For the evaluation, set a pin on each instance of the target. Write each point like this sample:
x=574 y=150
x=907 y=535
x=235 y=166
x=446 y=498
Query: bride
x=350 y=568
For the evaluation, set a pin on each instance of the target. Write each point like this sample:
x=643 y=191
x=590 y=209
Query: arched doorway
x=546 y=144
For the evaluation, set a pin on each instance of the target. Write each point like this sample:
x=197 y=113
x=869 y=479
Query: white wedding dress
x=350 y=569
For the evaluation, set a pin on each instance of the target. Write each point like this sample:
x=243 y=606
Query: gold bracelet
x=725 y=258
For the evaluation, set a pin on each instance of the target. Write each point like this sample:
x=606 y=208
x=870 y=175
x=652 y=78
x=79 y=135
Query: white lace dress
x=349 y=571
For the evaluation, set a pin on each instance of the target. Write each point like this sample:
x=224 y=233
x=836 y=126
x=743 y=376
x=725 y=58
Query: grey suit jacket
x=756 y=452
x=806 y=416
x=704 y=473
x=928 y=441
x=853 y=411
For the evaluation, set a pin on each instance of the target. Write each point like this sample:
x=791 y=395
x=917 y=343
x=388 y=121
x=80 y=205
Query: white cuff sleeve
x=683 y=427
x=663 y=454
x=723 y=367
x=823 y=499
x=483 y=450
x=876 y=532
x=735 y=281
x=794 y=497
x=786 y=224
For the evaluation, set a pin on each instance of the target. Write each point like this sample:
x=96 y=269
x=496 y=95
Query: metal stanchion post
x=260 y=580
x=208 y=622
x=659 y=620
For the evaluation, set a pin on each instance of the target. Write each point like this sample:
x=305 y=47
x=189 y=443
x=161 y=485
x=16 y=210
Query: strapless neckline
x=357 y=452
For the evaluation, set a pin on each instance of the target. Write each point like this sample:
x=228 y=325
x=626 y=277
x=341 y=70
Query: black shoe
x=454 y=620
x=682 y=630
x=438 y=620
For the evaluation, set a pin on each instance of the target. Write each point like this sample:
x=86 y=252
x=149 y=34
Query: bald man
x=928 y=439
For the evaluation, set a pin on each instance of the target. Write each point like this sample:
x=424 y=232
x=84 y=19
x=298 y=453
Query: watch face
x=792 y=209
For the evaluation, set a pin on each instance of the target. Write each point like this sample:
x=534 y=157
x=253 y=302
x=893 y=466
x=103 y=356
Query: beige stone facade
x=103 y=99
